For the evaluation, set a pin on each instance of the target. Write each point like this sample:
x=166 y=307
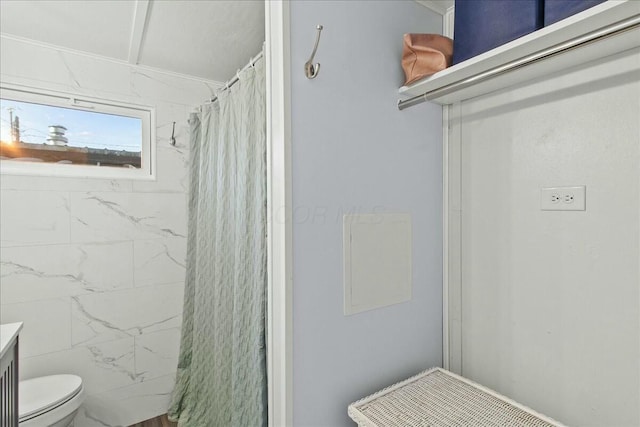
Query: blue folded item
x=556 y=10
x=481 y=25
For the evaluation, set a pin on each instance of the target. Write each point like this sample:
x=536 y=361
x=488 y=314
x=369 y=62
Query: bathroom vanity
x=9 y=374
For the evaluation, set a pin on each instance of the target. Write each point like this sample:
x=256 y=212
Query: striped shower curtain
x=221 y=379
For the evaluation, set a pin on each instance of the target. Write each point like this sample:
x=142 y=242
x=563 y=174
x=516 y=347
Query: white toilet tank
x=50 y=401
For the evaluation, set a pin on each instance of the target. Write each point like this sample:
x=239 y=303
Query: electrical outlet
x=563 y=198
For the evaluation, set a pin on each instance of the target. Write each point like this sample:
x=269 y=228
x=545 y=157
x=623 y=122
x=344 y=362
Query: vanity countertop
x=8 y=333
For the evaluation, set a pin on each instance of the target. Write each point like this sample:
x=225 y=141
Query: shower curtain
x=221 y=379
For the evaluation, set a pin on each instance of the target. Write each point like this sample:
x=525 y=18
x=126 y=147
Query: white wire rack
x=439 y=398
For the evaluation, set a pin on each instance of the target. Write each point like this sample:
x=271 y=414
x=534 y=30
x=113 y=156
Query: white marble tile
x=128 y=405
x=75 y=72
x=33 y=217
x=166 y=87
x=41 y=333
x=171 y=161
x=172 y=176
x=30 y=273
x=159 y=261
x=48 y=183
x=157 y=353
x=104 y=79
x=112 y=315
x=166 y=114
x=45 y=210
x=103 y=216
x=30 y=69
x=102 y=367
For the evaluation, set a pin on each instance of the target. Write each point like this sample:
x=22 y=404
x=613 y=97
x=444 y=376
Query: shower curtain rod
x=235 y=78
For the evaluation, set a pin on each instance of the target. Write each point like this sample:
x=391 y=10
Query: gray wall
x=353 y=151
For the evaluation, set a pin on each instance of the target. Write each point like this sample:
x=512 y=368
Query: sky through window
x=84 y=128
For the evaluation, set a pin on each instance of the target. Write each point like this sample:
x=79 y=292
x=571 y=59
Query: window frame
x=145 y=113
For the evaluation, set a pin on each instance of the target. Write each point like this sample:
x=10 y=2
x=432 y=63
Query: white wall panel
x=550 y=299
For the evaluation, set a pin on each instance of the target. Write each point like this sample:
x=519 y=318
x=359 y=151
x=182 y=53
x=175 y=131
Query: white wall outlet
x=563 y=198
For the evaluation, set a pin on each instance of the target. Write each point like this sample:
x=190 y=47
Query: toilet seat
x=41 y=395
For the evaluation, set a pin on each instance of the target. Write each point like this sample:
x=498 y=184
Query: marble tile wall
x=93 y=267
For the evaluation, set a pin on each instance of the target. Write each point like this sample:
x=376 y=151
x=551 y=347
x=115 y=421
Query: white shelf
x=588 y=21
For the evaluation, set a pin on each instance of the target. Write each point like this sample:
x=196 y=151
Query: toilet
x=50 y=401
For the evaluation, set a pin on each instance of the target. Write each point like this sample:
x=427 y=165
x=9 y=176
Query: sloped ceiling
x=203 y=38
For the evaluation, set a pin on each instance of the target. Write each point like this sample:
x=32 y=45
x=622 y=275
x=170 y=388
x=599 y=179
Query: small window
x=45 y=133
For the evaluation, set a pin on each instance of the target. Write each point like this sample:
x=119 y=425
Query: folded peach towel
x=425 y=54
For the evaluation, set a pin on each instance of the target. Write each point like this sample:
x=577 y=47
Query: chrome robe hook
x=310 y=69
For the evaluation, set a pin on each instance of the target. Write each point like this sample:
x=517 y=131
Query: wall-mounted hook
x=311 y=70
x=173 y=134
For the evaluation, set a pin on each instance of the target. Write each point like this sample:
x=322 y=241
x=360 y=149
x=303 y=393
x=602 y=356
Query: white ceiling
x=204 y=38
